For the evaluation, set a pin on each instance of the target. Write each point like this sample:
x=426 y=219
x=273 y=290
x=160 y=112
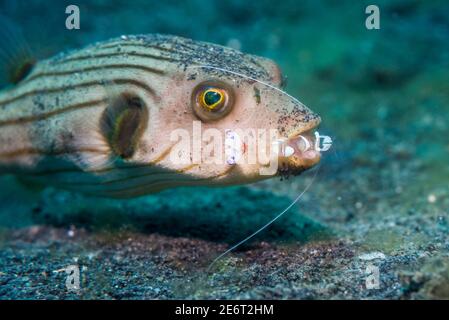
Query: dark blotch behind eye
x=123 y=123
x=217 y=112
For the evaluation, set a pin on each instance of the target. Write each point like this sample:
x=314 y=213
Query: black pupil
x=212 y=97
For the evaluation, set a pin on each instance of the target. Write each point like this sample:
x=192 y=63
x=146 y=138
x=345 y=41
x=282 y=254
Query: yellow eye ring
x=212 y=98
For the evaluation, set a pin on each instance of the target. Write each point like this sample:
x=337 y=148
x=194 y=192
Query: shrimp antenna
x=294 y=201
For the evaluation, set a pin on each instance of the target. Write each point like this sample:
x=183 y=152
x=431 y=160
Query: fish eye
x=212 y=100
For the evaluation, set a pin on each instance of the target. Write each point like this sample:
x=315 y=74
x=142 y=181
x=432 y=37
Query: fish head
x=227 y=119
x=214 y=116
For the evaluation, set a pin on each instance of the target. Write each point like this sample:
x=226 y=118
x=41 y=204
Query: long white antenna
x=267 y=224
x=294 y=201
x=247 y=77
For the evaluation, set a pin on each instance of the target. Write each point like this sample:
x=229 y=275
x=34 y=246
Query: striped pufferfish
x=98 y=120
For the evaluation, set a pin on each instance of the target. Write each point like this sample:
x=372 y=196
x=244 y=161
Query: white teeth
x=303 y=144
x=288 y=151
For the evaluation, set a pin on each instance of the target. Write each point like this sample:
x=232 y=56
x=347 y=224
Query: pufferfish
x=98 y=120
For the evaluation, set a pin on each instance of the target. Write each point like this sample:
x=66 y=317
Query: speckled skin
x=49 y=122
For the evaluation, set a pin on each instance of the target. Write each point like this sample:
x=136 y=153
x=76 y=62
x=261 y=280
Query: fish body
x=100 y=120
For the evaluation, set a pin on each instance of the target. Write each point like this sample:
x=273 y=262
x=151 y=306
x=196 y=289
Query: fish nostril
x=277 y=76
x=274 y=72
x=284 y=81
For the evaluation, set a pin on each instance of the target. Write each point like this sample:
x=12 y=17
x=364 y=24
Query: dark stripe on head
x=43 y=116
x=115 y=54
x=134 y=82
x=93 y=68
x=117 y=45
x=41 y=152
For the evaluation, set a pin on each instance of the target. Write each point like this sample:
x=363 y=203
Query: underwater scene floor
x=373 y=225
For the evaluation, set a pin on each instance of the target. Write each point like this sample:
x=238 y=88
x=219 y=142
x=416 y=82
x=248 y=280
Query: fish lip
x=301 y=160
x=305 y=130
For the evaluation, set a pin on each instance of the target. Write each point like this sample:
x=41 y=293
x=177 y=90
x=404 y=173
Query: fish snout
x=299 y=152
x=295 y=118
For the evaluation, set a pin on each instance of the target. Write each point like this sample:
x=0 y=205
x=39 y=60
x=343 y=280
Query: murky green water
x=383 y=96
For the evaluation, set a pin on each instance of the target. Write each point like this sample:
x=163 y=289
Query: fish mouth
x=299 y=152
